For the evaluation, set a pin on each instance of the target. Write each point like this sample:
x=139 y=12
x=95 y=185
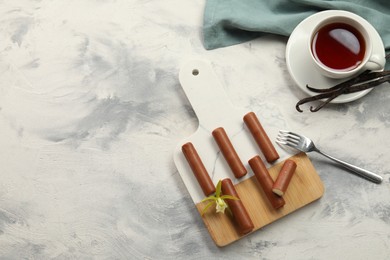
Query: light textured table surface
x=91 y=110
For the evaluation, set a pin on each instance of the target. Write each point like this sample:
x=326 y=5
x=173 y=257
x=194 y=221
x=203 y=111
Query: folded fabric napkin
x=229 y=22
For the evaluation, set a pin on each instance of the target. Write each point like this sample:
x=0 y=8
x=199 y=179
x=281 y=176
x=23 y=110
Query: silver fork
x=304 y=144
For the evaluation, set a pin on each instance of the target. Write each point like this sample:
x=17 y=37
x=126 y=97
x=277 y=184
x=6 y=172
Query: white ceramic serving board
x=213 y=109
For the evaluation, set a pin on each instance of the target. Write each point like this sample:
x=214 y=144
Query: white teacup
x=341 y=46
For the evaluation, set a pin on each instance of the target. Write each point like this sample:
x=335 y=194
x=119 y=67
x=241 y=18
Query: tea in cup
x=341 y=46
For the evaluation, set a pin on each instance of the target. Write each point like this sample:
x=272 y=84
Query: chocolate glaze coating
x=264 y=178
x=284 y=177
x=240 y=214
x=229 y=152
x=198 y=168
x=261 y=137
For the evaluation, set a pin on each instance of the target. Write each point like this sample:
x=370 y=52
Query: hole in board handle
x=195 y=72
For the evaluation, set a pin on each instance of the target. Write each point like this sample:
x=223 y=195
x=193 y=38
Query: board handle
x=203 y=90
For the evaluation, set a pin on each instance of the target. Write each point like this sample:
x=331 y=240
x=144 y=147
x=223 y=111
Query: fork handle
x=361 y=172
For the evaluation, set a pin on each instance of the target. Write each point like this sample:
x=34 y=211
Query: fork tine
x=280 y=141
x=288 y=133
x=286 y=143
x=287 y=140
x=287 y=136
x=291 y=145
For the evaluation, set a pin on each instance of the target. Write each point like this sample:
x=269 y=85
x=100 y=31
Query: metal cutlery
x=305 y=144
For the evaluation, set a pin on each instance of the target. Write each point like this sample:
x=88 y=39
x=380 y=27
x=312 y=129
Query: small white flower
x=220 y=205
x=218 y=200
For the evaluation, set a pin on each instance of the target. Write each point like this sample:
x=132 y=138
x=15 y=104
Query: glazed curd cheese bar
x=228 y=151
x=261 y=137
x=198 y=168
x=265 y=180
x=241 y=216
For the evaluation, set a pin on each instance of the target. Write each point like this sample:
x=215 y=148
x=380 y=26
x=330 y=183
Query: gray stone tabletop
x=91 y=110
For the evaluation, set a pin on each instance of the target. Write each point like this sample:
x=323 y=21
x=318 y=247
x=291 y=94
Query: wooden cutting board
x=305 y=187
x=213 y=110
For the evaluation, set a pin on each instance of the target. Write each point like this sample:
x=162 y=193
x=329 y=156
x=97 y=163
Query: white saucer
x=299 y=63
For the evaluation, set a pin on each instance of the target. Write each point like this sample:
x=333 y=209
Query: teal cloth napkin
x=229 y=22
